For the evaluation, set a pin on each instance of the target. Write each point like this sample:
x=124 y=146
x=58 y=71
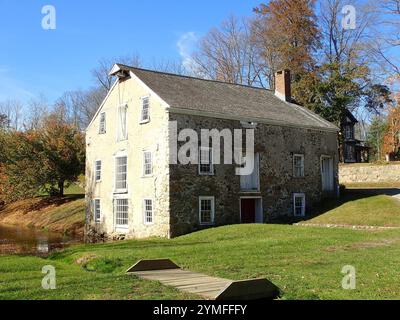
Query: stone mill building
x=133 y=189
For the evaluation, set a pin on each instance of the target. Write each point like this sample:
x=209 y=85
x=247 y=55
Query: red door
x=248 y=210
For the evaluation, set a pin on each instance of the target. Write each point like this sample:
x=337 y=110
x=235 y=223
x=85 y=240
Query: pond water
x=15 y=240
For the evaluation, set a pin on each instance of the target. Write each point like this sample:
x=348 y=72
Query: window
x=121 y=164
x=121 y=212
x=122 y=127
x=102 y=126
x=251 y=182
x=145 y=112
x=97 y=170
x=97 y=210
x=147 y=164
x=298 y=165
x=349 y=132
x=206 y=210
x=205 y=161
x=148 y=211
x=299 y=204
x=349 y=152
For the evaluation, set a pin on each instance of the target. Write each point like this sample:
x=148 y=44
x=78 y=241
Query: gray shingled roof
x=220 y=98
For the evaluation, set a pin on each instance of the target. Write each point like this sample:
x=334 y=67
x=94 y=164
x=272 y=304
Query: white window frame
x=212 y=199
x=123 y=227
x=94 y=210
x=121 y=190
x=302 y=165
x=96 y=170
x=211 y=171
x=303 y=207
x=102 y=124
x=145 y=211
x=120 y=133
x=141 y=119
x=144 y=163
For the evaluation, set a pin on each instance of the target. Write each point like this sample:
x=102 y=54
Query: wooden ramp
x=212 y=288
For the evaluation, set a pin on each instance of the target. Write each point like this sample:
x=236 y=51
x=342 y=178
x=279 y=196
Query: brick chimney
x=282 y=85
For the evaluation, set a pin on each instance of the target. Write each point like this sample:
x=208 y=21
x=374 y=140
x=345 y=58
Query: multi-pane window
x=206 y=210
x=102 y=126
x=147 y=164
x=98 y=170
x=148 y=211
x=205 y=161
x=349 y=132
x=145 y=112
x=96 y=210
x=122 y=125
x=121 y=212
x=299 y=204
x=298 y=165
x=121 y=166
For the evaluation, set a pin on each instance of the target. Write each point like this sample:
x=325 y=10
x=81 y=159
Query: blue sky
x=35 y=61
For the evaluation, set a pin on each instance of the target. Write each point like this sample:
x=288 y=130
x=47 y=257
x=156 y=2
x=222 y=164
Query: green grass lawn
x=73 y=188
x=304 y=262
x=358 y=208
x=70 y=189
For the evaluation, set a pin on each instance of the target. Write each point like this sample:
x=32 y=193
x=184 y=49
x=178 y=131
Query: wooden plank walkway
x=187 y=281
x=212 y=288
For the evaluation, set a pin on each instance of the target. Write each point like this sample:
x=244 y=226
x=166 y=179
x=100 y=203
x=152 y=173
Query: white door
x=327 y=174
x=251 y=182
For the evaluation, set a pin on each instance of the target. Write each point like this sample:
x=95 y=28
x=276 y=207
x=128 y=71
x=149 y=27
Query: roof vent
x=120 y=71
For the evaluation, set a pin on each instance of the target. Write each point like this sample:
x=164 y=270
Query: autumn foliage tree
x=289 y=28
x=391 y=140
x=44 y=159
x=63 y=148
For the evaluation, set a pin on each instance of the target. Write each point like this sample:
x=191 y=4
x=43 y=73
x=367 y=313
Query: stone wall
x=276 y=146
x=353 y=173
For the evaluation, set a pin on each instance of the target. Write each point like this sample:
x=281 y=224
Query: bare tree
x=37 y=110
x=344 y=44
x=170 y=66
x=386 y=38
x=100 y=73
x=13 y=111
x=269 y=64
x=78 y=107
x=229 y=54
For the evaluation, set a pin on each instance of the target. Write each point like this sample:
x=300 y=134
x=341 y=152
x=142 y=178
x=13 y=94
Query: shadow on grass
x=46 y=201
x=329 y=204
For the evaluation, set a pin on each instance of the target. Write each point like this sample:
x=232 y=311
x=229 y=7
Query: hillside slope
x=65 y=215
